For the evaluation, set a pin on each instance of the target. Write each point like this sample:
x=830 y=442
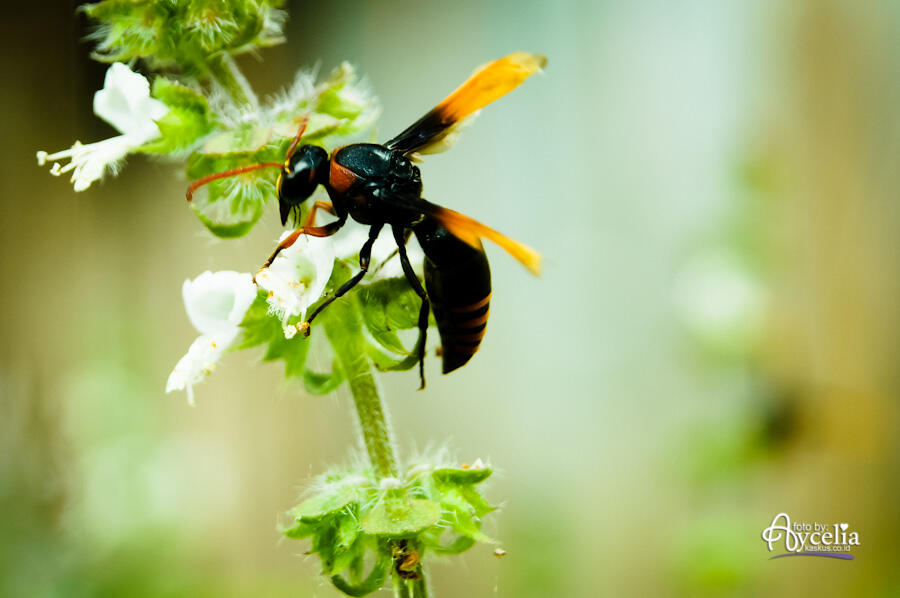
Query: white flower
x=125 y=103
x=297 y=278
x=215 y=304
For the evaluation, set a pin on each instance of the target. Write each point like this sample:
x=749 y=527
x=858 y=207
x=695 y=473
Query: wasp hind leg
x=400 y=236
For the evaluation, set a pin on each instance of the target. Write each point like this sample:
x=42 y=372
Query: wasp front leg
x=308 y=229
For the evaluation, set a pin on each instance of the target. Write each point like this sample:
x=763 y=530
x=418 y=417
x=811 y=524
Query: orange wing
x=471 y=231
x=486 y=84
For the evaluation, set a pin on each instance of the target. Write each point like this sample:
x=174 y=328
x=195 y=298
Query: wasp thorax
x=305 y=170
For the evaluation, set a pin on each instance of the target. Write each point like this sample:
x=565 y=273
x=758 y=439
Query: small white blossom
x=216 y=304
x=297 y=278
x=125 y=103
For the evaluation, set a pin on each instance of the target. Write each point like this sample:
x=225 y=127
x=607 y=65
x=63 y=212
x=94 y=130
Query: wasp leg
x=313 y=231
x=401 y=236
x=308 y=228
x=311 y=216
x=393 y=254
x=365 y=255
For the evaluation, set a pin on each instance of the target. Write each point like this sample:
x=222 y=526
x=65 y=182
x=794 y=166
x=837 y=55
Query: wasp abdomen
x=458 y=281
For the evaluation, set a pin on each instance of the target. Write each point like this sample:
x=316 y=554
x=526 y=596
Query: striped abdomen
x=458 y=281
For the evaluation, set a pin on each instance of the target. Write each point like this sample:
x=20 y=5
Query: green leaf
x=459 y=476
x=479 y=503
x=385 y=307
x=200 y=164
x=299 y=531
x=454 y=501
x=466 y=524
x=293 y=351
x=323 y=543
x=343 y=559
x=358 y=562
x=389 y=305
x=262 y=328
x=400 y=516
x=331 y=500
x=322 y=384
x=187 y=121
x=374 y=316
x=229 y=207
x=385 y=362
x=259 y=325
x=461 y=515
x=459 y=545
x=348 y=531
x=372 y=583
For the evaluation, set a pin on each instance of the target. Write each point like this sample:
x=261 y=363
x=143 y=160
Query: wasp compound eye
x=306 y=169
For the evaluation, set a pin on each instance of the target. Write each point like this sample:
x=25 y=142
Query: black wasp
x=379 y=185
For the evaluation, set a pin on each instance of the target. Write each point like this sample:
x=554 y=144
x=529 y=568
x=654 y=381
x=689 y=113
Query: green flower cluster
x=190 y=35
x=349 y=516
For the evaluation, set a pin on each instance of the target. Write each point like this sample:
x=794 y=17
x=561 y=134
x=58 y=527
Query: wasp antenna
x=296 y=140
x=225 y=174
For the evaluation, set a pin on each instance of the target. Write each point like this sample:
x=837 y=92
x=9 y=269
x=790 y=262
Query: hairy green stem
x=225 y=72
x=401 y=589
x=372 y=416
x=344 y=330
x=420 y=586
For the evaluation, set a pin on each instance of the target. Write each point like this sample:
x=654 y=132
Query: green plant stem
x=372 y=416
x=401 y=589
x=410 y=588
x=344 y=330
x=420 y=586
x=224 y=70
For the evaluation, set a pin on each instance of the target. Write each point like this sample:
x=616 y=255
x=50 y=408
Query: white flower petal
x=297 y=278
x=200 y=361
x=217 y=301
x=125 y=103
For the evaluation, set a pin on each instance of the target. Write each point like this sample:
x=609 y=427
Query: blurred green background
x=714 y=186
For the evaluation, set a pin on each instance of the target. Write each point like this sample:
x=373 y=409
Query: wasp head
x=304 y=171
